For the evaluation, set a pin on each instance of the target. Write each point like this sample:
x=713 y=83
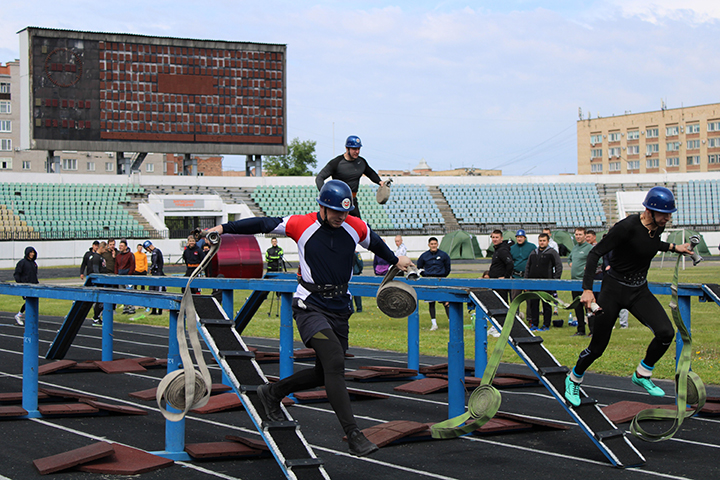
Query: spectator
x=192 y=255
x=577 y=260
x=543 y=262
x=401 y=248
x=157 y=265
x=83 y=265
x=502 y=263
x=125 y=265
x=109 y=255
x=97 y=264
x=141 y=264
x=520 y=252
x=435 y=263
x=380 y=266
x=551 y=243
x=26 y=272
x=274 y=257
x=357 y=270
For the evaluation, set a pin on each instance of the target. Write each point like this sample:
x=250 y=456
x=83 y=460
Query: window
x=5 y=126
x=594 y=153
x=651 y=148
x=6 y=144
x=69 y=163
x=596 y=168
x=672 y=146
x=673 y=161
x=633 y=135
x=671 y=131
x=633 y=149
x=614 y=152
x=712 y=126
x=176 y=165
x=90 y=166
x=595 y=139
x=693 y=144
x=4 y=87
x=694 y=128
x=714 y=142
x=150 y=167
x=109 y=166
x=714 y=158
x=614 y=167
x=651 y=133
x=6 y=163
x=633 y=165
x=693 y=160
x=26 y=165
x=5 y=106
x=614 y=137
x=652 y=163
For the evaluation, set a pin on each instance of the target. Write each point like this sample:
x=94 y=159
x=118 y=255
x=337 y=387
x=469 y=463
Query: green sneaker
x=648 y=385
x=572 y=392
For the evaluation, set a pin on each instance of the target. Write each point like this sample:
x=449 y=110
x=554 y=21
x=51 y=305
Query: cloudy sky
x=493 y=84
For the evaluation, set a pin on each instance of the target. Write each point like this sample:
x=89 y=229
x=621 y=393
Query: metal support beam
x=253 y=161
x=137 y=162
x=30 y=358
x=52 y=164
x=190 y=165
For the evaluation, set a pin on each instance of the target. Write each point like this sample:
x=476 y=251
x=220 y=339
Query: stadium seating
x=410 y=207
x=565 y=205
x=698 y=203
x=68 y=211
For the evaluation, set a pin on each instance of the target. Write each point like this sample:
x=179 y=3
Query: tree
x=300 y=156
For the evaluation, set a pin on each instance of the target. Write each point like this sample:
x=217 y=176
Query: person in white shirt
x=401 y=248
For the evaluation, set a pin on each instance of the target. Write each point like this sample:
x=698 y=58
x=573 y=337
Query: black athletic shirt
x=349 y=172
x=633 y=250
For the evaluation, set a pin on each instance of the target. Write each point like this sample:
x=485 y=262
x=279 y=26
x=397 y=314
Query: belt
x=325 y=291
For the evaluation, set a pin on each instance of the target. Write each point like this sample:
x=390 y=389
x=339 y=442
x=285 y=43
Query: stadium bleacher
x=67 y=211
x=698 y=203
x=563 y=204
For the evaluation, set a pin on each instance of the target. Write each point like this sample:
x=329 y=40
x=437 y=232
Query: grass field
x=372 y=329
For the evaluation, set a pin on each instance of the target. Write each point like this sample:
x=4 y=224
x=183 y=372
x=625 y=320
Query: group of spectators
x=103 y=257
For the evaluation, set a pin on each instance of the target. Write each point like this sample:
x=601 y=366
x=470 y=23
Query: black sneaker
x=97 y=322
x=359 y=445
x=271 y=404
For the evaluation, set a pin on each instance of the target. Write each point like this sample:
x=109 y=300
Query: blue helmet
x=146 y=244
x=520 y=233
x=660 y=199
x=336 y=195
x=353 y=141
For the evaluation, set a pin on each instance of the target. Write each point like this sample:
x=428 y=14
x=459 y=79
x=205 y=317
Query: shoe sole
x=268 y=413
x=364 y=453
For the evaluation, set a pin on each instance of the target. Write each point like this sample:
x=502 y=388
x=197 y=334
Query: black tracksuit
x=502 y=266
x=350 y=172
x=26 y=270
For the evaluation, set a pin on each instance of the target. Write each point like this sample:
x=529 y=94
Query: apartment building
x=12 y=158
x=681 y=140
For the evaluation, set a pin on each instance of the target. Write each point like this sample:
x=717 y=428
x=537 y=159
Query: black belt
x=325 y=291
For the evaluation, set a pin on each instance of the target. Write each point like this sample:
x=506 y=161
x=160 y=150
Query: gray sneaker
x=19 y=318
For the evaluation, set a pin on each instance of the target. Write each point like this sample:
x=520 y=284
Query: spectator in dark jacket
x=193 y=256
x=26 y=272
x=543 y=262
x=86 y=257
x=157 y=265
x=97 y=264
x=435 y=263
x=125 y=265
x=502 y=262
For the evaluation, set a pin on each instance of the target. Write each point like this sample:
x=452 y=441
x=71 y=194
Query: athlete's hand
x=218 y=229
x=587 y=298
x=403 y=263
x=684 y=248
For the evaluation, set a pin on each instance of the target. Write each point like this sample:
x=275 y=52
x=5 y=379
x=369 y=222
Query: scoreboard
x=93 y=91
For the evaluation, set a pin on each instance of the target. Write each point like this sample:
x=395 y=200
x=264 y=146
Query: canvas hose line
x=689 y=388
x=484 y=401
x=188 y=388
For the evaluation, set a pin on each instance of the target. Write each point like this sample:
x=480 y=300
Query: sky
x=490 y=85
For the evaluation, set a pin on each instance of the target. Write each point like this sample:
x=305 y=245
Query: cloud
x=660 y=11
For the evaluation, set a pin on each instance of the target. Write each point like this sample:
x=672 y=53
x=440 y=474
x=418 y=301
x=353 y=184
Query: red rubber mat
x=73 y=458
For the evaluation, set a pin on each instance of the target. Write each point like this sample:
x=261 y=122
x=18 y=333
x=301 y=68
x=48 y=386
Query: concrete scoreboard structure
x=93 y=91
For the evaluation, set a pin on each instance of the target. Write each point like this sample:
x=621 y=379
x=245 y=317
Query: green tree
x=297 y=162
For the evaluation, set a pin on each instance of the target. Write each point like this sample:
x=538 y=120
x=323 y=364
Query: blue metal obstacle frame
x=452 y=290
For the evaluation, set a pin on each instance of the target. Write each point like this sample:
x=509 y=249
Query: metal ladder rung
x=609 y=434
x=527 y=340
x=553 y=370
x=303 y=462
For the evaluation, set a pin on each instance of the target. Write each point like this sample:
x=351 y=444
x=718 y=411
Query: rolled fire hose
x=187 y=388
x=394 y=298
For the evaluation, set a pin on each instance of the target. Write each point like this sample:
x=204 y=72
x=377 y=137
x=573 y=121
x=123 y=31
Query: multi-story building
x=683 y=139
x=12 y=158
